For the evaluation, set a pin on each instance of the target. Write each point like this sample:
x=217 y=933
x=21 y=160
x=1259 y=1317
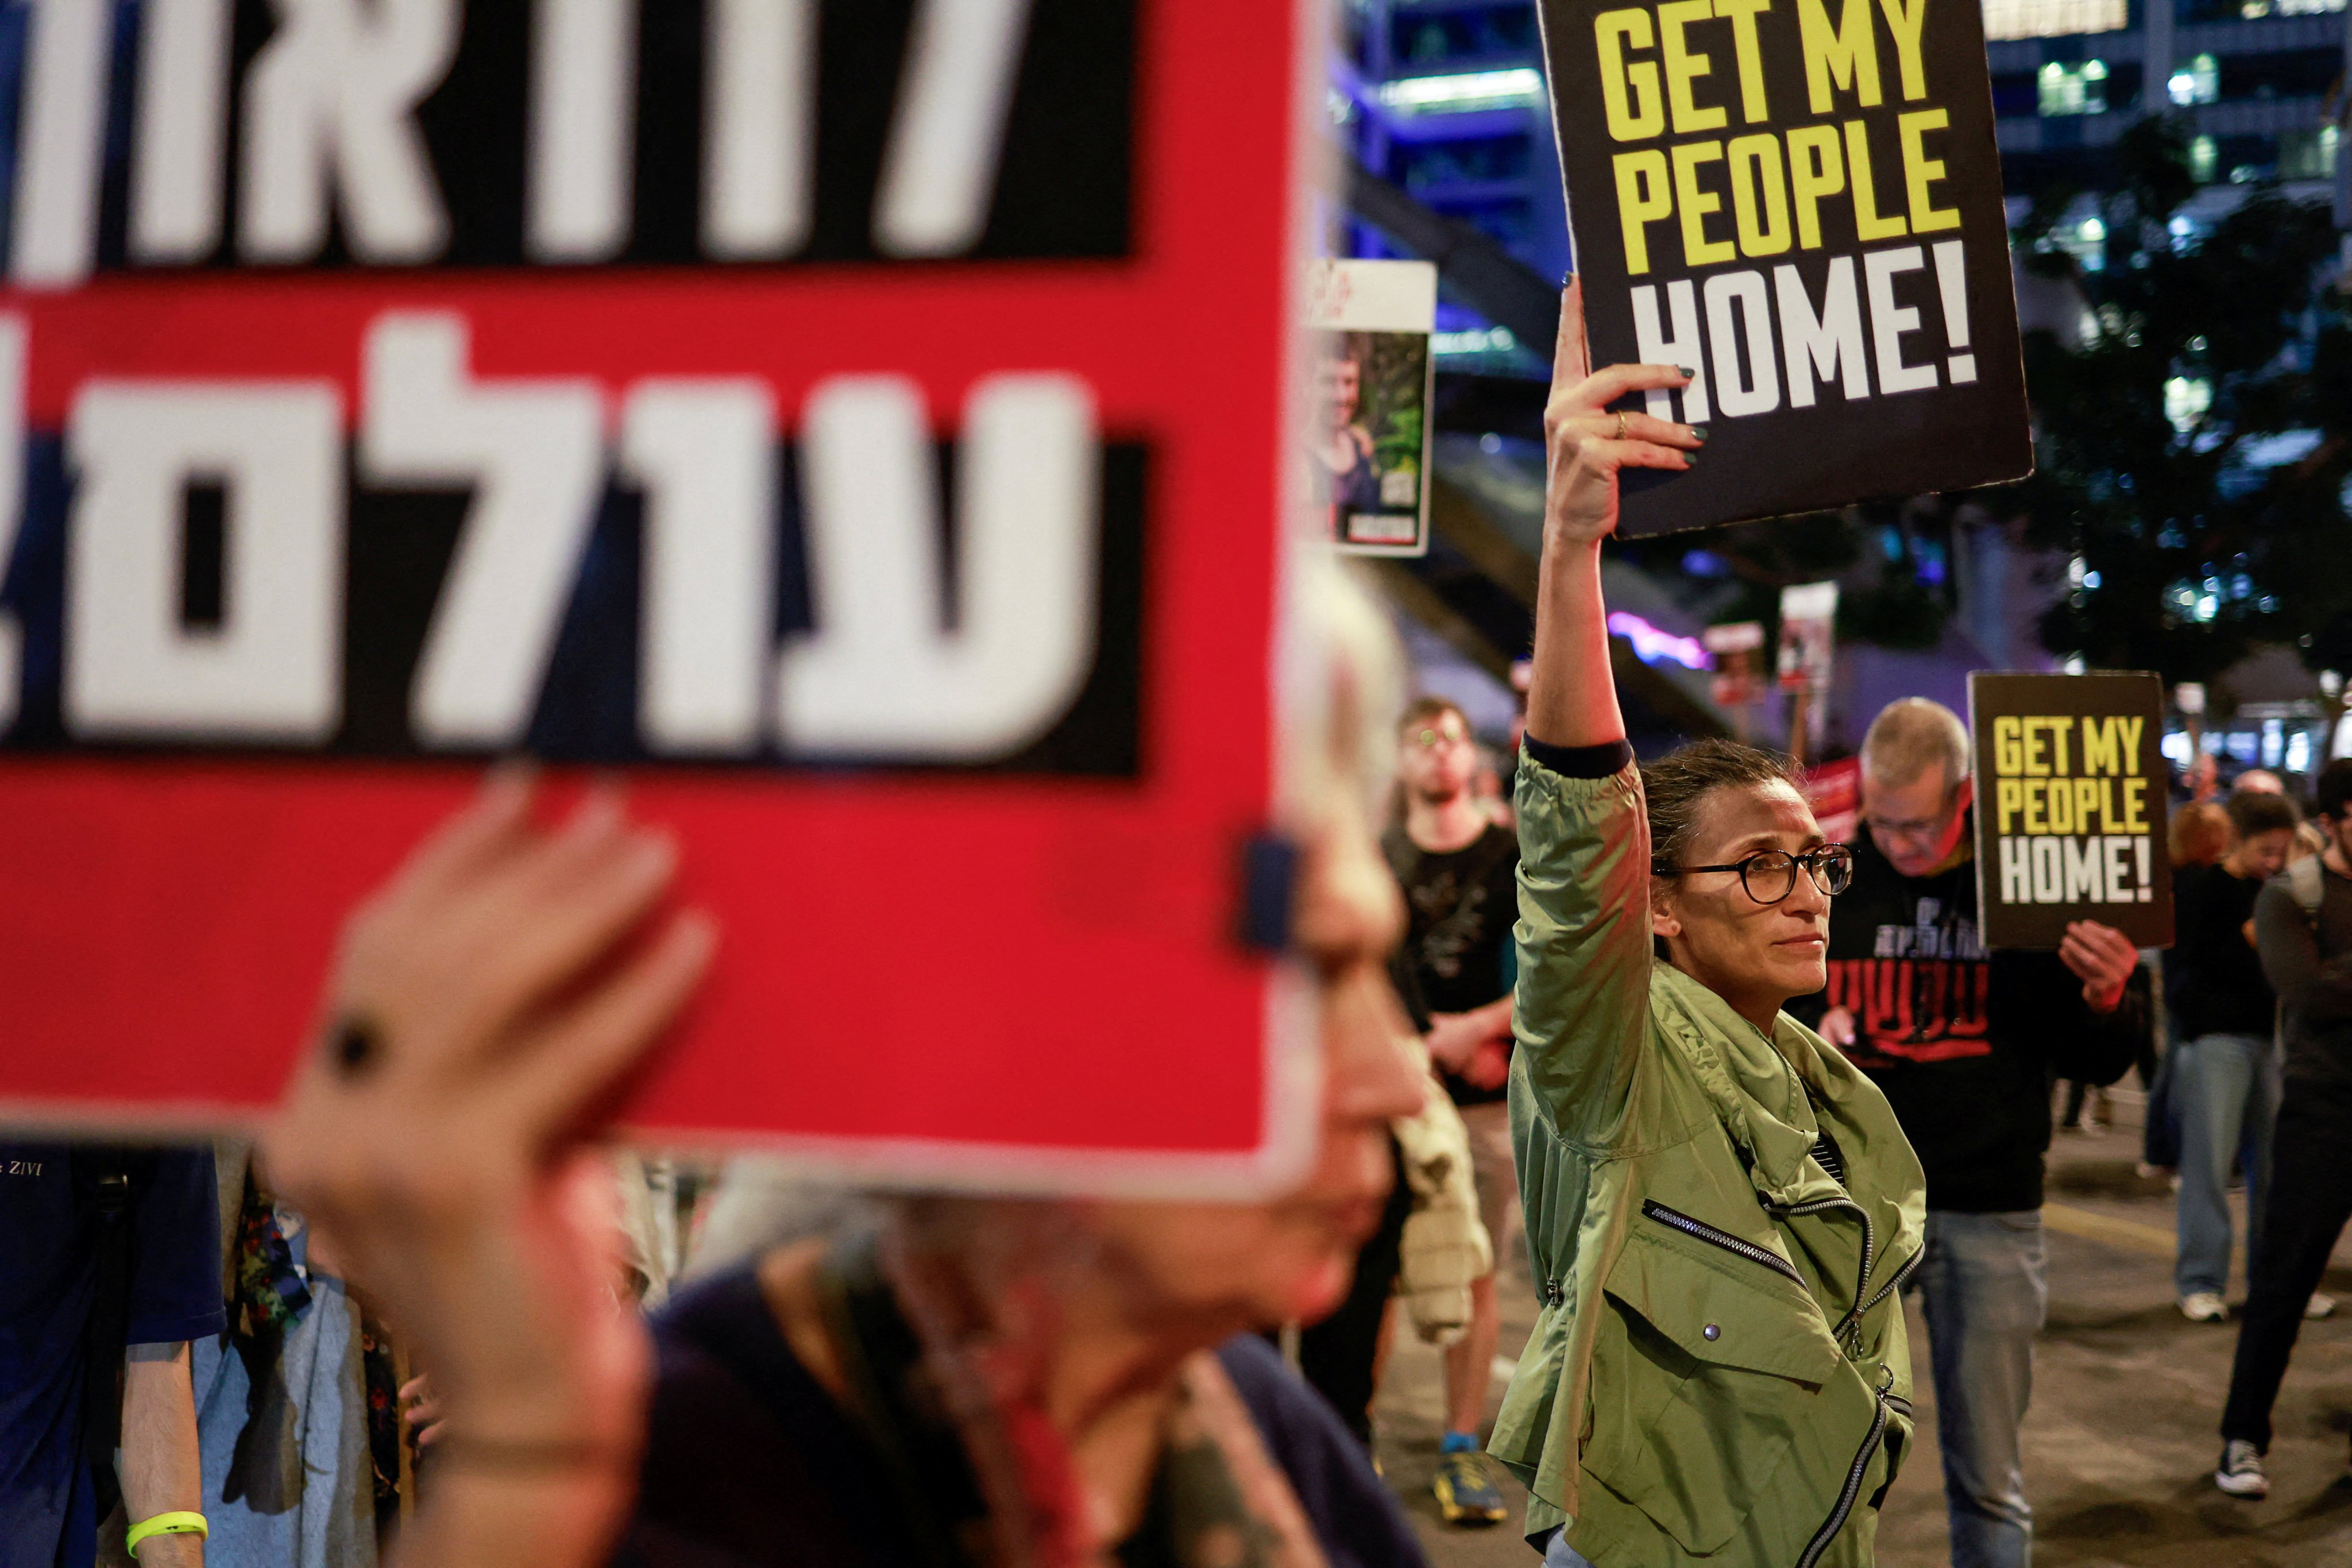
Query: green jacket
x=1719 y=1372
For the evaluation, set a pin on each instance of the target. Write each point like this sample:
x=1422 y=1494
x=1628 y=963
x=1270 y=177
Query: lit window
x=1457 y=94
x=2202 y=156
x=2073 y=89
x=2308 y=7
x=2308 y=154
x=2199 y=81
x=2186 y=399
x=2055 y=18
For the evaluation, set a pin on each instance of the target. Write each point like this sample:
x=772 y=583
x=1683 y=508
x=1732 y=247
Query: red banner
x=892 y=495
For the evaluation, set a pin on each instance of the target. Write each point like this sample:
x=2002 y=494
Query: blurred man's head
x=1437 y=759
x=2332 y=803
x=2260 y=781
x=1342 y=385
x=2264 y=823
x=1915 y=783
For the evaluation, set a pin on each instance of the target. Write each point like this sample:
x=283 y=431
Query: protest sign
x=1834 y=792
x=863 y=424
x=1807 y=657
x=1366 y=463
x=2070 y=807
x=1733 y=648
x=1800 y=201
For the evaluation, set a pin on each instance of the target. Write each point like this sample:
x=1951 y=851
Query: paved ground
x=2121 y=1439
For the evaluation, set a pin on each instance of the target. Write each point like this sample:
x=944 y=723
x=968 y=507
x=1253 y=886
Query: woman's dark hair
x=1674 y=784
x=2255 y=811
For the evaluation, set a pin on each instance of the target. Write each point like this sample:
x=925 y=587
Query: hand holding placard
x=1586 y=445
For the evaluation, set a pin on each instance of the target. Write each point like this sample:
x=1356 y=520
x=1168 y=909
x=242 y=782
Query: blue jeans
x=1983 y=1289
x=2226 y=1088
x=1558 y=1553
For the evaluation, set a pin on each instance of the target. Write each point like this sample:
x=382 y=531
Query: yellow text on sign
x=1776 y=184
x=1652 y=65
x=2060 y=774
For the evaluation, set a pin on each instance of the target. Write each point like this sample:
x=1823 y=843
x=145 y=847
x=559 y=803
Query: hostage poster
x=1800 y=201
x=2070 y=807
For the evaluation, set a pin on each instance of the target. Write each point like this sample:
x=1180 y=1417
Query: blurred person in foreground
x=999 y=1381
x=1720 y=1210
x=2224 y=1084
x=1457 y=868
x=2302 y=930
x=109 y=1267
x=1965 y=1044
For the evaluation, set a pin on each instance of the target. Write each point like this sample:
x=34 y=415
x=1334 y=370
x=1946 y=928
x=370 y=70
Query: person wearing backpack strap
x=2305 y=943
x=109 y=1266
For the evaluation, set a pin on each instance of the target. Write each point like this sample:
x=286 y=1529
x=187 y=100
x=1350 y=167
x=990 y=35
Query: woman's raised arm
x=1572 y=700
x=1584 y=994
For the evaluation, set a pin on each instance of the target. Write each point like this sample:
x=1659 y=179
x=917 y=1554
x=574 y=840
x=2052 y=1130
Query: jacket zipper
x=1869 y=1248
x=1852 y=1488
x=1893 y=1284
x=1702 y=1231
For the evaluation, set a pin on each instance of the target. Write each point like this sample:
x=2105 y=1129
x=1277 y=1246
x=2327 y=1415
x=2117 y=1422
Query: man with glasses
x=1458 y=869
x=1966 y=1044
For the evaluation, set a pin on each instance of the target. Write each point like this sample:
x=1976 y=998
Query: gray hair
x=1911 y=735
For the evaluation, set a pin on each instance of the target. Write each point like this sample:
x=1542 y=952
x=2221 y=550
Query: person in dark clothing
x=1458 y=870
x=109 y=1267
x=2304 y=937
x=1966 y=1044
x=2225 y=1072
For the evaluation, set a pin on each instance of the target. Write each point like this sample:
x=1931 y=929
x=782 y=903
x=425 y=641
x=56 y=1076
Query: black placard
x=2070 y=807
x=1800 y=201
x=1062 y=182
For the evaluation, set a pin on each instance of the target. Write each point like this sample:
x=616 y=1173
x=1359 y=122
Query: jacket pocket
x=1722 y=1358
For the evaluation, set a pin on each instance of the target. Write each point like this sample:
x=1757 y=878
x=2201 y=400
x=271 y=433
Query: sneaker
x=2239 y=1473
x=2204 y=1306
x=2321 y=1305
x=1466 y=1494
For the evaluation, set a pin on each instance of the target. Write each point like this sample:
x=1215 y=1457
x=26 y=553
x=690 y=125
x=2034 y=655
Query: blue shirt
x=48 y=1279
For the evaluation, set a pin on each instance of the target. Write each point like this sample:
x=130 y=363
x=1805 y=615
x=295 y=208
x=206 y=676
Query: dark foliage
x=2209 y=529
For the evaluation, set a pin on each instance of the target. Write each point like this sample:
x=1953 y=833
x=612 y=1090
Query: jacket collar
x=1758 y=1086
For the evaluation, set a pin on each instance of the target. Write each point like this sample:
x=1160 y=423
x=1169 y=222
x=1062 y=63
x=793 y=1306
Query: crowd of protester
x=1586 y=1023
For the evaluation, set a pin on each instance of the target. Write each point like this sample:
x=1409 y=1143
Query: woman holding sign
x=1720 y=1210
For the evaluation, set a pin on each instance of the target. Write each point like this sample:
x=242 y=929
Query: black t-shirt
x=2213 y=975
x=750 y=1463
x=1963 y=1042
x=1460 y=908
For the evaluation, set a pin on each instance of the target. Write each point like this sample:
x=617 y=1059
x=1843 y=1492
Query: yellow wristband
x=182 y=1524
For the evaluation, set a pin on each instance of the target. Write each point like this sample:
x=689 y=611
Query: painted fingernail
x=1687 y=373
x=1698 y=432
x=1690 y=459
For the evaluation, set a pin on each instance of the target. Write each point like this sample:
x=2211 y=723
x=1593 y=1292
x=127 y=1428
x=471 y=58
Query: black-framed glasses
x=1770 y=875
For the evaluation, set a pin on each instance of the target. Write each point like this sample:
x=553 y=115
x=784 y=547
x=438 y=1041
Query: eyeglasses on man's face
x=1430 y=737
x=1916 y=829
x=1770 y=876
